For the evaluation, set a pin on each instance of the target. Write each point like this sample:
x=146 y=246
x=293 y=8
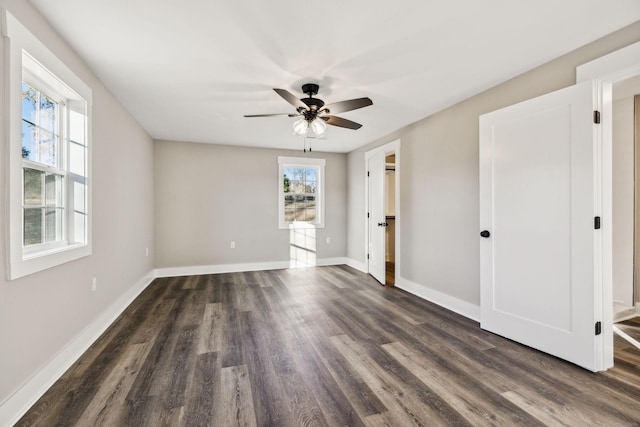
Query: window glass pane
x=53 y=190
x=32 y=226
x=48 y=114
x=76 y=127
x=29 y=102
x=289 y=214
x=79 y=229
x=309 y=208
x=48 y=148
x=77 y=159
x=297 y=186
x=310 y=187
x=29 y=141
x=79 y=194
x=33 y=187
x=53 y=225
x=311 y=174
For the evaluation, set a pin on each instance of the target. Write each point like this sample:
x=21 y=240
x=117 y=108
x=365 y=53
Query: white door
x=539 y=196
x=377 y=218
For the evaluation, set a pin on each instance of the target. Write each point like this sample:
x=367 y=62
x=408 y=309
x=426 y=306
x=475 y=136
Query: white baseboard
x=237 y=268
x=16 y=405
x=629 y=313
x=356 y=264
x=454 y=304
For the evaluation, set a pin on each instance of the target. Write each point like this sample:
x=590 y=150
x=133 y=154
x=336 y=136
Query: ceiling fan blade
x=291 y=99
x=340 y=122
x=351 y=104
x=269 y=115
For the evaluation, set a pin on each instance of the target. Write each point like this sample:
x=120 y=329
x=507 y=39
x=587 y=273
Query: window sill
x=299 y=224
x=43 y=260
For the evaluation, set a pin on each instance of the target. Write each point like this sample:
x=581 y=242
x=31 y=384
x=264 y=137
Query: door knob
x=485 y=233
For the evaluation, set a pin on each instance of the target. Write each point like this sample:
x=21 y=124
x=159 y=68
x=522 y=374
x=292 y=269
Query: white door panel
x=538 y=199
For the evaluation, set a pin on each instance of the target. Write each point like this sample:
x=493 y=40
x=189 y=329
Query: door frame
x=605 y=71
x=392 y=147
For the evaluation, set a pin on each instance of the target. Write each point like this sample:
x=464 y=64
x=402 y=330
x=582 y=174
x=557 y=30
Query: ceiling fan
x=314 y=114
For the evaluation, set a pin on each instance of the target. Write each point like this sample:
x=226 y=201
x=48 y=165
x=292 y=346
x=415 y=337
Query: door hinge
x=598 y=328
x=367 y=173
x=596 y=223
x=367 y=214
x=367 y=256
x=596 y=117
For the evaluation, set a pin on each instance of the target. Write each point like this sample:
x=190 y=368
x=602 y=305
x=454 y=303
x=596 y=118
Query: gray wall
x=623 y=195
x=209 y=195
x=43 y=312
x=439 y=204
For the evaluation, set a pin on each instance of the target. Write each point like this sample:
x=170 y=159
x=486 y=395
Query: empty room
x=278 y=213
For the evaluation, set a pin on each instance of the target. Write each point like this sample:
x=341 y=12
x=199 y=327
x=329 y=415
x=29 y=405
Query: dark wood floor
x=324 y=346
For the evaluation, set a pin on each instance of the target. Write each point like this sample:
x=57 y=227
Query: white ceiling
x=189 y=70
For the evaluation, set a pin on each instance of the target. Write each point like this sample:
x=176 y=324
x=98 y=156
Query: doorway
x=390 y=216
x=626 y=192
x=382 y=207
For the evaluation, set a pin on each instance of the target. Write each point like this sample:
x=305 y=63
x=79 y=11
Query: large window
x=301 y=191
x=48 y=146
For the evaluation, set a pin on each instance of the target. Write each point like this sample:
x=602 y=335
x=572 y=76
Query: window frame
x=55 y=79
x=302 y=162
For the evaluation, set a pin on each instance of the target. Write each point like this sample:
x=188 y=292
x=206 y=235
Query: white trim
x=16 y=405
x=360 y=266
x=18 y=39
x=616 y=66
x=454 y=304
x=626 y=337
x=393 y=146
x=605 y=71
x=241 y=267
x=627 y=314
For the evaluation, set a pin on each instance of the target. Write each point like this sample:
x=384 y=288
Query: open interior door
x=540 y=246
x=377 y=218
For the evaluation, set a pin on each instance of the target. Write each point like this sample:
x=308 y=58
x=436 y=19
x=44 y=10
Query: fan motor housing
x=314 y=104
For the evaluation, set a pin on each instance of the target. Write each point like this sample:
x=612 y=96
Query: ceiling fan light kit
x=314 y=115
x=300 y=127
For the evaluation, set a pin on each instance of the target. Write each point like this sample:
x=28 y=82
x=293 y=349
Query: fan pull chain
x=306 y=140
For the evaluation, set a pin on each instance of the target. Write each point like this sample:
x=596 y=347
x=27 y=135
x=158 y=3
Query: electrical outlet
x=146 y=251
x=233 y=245
x=328 y=240
x=94 y=284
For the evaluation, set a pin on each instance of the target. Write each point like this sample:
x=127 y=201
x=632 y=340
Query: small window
x=48 y=146
x=301 y=191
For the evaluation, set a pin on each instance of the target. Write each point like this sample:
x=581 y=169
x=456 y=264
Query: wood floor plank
x=474 y=402
x=322 y=346
x=236 y=401
x=203 y=391
x=407 y=407
x=356 y=390
x=105 y=409
x=211 y=330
